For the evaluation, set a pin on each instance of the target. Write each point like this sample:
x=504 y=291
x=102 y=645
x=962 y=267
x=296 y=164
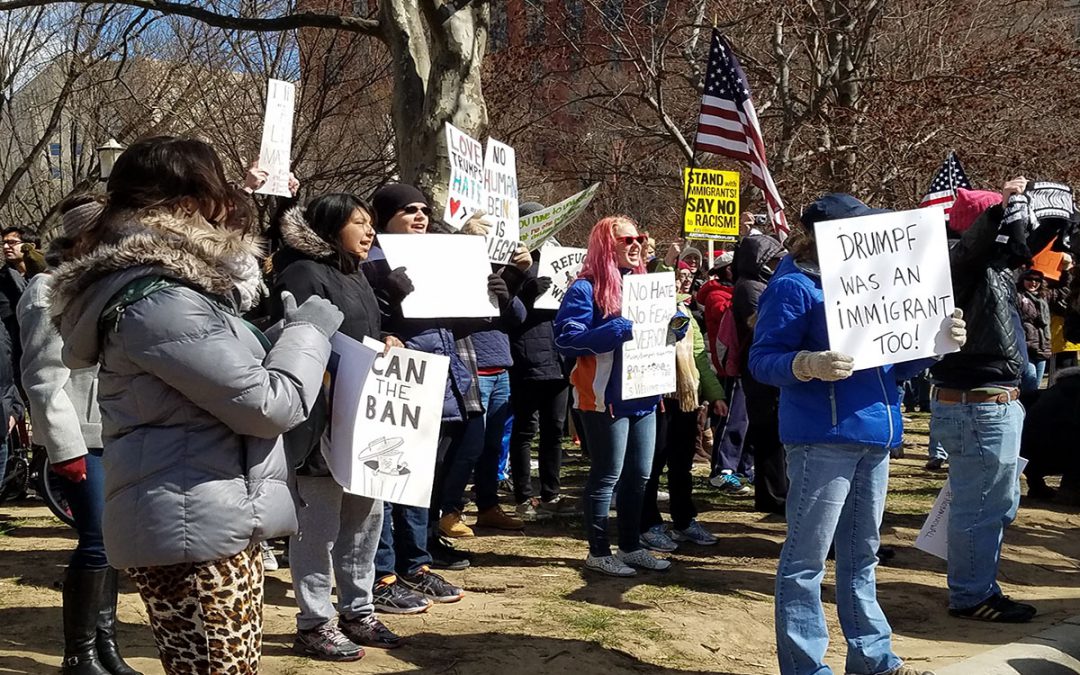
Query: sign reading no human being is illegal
x=887 y=285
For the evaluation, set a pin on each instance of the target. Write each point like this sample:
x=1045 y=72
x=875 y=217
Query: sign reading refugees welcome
x=712 y=204
x=887 y=285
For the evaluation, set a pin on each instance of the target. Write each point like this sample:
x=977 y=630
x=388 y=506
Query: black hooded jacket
x=751 y=277
x=996 y=352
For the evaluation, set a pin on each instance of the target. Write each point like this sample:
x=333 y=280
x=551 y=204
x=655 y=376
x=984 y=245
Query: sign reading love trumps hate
x=466 y=194
x=887 y=285
x=648 y=360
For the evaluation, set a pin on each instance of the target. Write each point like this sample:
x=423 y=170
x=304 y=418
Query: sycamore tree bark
x=437 y=59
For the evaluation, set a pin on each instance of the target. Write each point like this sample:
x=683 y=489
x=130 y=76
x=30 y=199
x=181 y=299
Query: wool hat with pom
x=969 y=205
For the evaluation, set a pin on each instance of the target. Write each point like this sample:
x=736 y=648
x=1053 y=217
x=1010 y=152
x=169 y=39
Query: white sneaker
x=663 y=497
x=695 y=533
x=643 y=559
x=656 y=539
x=270 y=562
x=609 y=565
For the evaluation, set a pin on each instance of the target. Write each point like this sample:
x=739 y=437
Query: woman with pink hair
x=620 y=434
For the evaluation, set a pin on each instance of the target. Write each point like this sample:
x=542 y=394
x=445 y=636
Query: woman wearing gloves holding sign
x=837 y=426
x=620 y=434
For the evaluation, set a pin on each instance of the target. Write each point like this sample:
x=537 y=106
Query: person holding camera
x=977 y=415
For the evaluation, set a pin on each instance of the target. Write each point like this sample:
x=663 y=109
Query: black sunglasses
x=412 y=209
x=628 y=241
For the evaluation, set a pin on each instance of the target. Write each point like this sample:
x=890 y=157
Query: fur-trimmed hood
x=216 y=261
x=298 y=235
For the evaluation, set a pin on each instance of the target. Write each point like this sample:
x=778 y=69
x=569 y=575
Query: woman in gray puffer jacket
x=193 y=398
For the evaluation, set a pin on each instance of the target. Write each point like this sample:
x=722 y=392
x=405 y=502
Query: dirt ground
x=529 y=605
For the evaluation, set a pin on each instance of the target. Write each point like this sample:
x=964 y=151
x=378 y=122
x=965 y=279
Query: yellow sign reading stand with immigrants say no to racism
x=712 y=204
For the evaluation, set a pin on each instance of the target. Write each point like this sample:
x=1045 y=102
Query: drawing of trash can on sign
x=385 y=474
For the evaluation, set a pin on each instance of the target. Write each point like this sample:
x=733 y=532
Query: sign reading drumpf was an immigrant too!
x=888 y=287
x=501 y=201
x=385 y=414
x=561 y=264
x=466 y=194
x=536 y=228
x=712 y=204
x=277 y=138
x=648 y=360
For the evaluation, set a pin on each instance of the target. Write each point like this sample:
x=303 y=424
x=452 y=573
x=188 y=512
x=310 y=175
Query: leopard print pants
x=206 y=617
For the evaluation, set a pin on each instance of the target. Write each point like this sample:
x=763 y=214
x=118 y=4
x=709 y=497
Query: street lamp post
x=107 y=155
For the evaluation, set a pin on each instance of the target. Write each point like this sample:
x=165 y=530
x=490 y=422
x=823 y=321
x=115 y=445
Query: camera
x=761 y=220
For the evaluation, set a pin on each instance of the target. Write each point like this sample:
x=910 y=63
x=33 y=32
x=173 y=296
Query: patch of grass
x=609 y=628
x=9 y=526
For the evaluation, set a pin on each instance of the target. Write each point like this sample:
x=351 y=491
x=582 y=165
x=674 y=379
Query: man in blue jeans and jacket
x=977 y=415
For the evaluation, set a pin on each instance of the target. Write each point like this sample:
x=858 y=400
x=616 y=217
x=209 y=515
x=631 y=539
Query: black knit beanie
x=391 y=198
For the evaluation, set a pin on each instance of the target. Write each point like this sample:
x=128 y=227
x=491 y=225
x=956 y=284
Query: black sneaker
x=370 y=632
x=390 y=596
x=998 y=608
x=431 y=585
x=935 y=464
x=445 y=557
x=327 y=643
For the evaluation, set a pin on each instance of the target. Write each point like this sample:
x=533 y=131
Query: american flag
x=728 y=124
x=942 y=190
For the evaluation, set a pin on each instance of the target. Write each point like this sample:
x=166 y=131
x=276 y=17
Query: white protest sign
x=648 y=360
x=536 y=228
x=934 y=536
x=561 y=264
x=466 y=194
x=501 y=200
x=448 y=271
x=277 y=137
x=888 y=286
x=383 y=442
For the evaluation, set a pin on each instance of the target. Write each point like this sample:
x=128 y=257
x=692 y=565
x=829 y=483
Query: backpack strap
x=144 y=287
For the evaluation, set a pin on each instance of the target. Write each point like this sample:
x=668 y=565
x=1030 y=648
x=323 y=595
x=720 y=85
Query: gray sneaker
x=656 y=539
x=694 y=533
x=327 y=643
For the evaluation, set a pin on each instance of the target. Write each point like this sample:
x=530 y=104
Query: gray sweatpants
x=339 y=531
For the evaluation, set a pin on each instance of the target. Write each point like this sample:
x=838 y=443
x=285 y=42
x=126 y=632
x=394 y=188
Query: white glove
x=957 y=327
x=824 y=366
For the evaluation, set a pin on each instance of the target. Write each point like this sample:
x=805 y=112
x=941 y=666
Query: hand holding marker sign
x=887 y=285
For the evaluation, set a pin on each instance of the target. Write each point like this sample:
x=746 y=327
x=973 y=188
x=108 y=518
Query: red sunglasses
x=629 y=241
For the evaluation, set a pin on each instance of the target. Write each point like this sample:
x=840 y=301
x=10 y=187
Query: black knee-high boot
x=82 y=598
x=108 y=652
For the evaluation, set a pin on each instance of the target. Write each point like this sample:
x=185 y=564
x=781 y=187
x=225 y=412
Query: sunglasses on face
x=11 y=242
x=630 y=241
x=412 y=209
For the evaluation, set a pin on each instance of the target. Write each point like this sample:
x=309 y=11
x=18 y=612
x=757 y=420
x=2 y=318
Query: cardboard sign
x=501 y=201
x=466 y=194
x=888 y=286
x=1050 y=262
x=385 y=415
x=712 y=204
x=546 y=223
x=648 y=360
x=561 y=264
x=449 y=274
x=276 y=147
x=934 y=536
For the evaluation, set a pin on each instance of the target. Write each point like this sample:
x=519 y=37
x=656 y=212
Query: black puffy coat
x=995 y=353
x=532 y=344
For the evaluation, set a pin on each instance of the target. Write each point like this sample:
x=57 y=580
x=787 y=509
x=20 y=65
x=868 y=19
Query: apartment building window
x=54 y=160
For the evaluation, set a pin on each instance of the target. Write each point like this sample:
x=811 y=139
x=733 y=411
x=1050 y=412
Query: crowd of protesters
x=175 y=380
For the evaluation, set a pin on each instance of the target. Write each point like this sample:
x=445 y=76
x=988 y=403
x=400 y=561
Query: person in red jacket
x=715 y=299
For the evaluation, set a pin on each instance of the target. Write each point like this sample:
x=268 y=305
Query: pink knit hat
x=969 y=205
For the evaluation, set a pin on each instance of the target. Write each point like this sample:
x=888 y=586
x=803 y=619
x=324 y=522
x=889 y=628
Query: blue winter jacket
x=863 y=409
x=583 y=333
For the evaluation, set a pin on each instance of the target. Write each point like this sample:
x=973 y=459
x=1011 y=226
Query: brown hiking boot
x=498 y=519
x=452 y=525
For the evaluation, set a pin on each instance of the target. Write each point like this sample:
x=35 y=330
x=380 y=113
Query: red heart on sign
x=455 y=204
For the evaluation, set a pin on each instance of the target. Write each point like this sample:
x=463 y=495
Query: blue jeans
x=984 y=443
x=621 y=451
x=935 y=450
x=495 y=395
x=1033 y=376
x=87 y=502
x=837 y=494
x=462 y=454
x=403 y=542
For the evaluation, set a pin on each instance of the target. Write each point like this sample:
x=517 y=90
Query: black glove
x=533 y=289
x=498 y=290
x=397 y=285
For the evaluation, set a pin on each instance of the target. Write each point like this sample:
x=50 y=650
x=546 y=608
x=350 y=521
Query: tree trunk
x=436 y=69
